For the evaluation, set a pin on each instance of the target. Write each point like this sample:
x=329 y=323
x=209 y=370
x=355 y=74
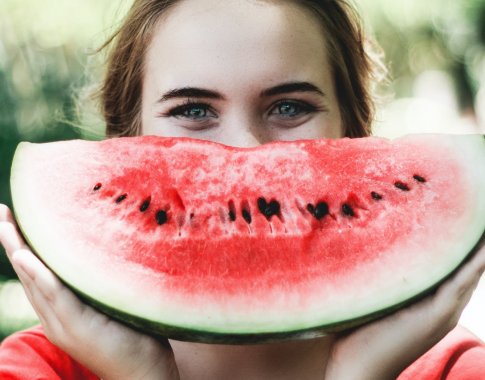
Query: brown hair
x=353 y=68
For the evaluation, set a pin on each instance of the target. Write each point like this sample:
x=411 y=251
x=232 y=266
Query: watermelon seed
x=376 y=196
x=121 y=198
x=262 y=204
x=97 y=187
x=268 y=209
x=161 y=217
x=232 y=211
x=274 y=207
x=401 y=185
x=318 y=211
x=419 y=178
x=310 y=208
x=146 y=203
x=321 y=210
x=246 y=215
x=347 y=210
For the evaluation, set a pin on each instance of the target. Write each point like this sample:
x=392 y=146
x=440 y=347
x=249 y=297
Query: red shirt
x=28 y=355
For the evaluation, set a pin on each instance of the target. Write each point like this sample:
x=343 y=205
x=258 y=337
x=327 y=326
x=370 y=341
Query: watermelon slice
x=199 y=241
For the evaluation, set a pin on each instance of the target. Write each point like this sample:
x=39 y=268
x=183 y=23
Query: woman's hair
x=354 y=65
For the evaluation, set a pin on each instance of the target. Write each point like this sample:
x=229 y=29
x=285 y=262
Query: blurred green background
x=435 y=51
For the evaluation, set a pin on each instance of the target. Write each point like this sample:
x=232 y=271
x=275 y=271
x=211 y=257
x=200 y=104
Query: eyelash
x=178 y=111
x=303 y=106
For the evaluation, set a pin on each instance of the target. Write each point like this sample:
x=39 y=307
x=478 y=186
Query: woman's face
x=241 y=73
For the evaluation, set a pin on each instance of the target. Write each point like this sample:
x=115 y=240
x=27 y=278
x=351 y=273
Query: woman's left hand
x=384 y=348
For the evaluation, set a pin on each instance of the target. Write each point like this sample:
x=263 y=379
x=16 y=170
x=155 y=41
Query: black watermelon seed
x=121 y=198
x=232 y=211
x=347 y=210
x=262 y=204
x=268 y=209
x=310 y=208
x=401 y=185
x=274 y=207
x=321 y=209
x=419 y=178
x=97 y=187
x=376 y=196
x=144 y=206
x=246 y=215
x=161 y=217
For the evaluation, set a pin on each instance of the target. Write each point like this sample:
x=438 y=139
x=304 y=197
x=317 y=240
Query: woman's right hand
x=108 y=348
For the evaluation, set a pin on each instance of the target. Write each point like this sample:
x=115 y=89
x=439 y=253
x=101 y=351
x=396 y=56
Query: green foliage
x=442 y=35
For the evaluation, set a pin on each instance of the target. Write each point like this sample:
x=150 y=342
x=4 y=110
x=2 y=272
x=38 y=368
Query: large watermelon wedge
x=198 y=241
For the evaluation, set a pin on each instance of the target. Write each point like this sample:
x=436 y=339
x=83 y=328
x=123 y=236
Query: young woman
x=243 y=73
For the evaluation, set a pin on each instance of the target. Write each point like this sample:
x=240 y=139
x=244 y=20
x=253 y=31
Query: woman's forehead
x=239 y=22
x=234 y=37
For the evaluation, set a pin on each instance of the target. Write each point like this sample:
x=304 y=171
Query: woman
x=241 y=73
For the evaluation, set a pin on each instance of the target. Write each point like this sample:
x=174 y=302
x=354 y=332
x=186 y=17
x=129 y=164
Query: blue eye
x=192 y=111
x=195 y=112
x=288 y=109
x=292 y=109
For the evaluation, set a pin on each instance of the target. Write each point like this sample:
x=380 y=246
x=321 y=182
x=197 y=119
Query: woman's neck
x=302 y=359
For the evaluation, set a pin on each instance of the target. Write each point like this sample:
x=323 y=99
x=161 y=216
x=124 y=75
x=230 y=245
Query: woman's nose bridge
x=244 y=131
x=251 y=136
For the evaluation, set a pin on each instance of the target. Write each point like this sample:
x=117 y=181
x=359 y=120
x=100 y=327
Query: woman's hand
x=384 y=348
x=108 y=348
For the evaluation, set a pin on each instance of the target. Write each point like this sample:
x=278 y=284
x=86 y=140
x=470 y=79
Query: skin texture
x=196 y=45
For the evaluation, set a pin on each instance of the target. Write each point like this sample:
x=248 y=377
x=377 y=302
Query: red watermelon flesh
x=202 y=241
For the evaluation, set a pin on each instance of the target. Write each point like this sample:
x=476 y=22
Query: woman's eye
x=194 y=111
x=292 y=109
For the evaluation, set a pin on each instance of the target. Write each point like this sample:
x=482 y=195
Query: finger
x=42 y=308
x=30 y=293
x=461 y=285
x=57 y=304
x=469 y=273
x=6 y=214
x=10 y=238
x=41 y=291
x=39 y=274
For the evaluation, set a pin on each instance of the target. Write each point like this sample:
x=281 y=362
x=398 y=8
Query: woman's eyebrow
x=292 y=87
x=196 y=92
x=190 y=92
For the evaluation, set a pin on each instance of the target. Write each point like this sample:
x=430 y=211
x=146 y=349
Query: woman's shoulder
x=458 y=356
x=28 y=354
